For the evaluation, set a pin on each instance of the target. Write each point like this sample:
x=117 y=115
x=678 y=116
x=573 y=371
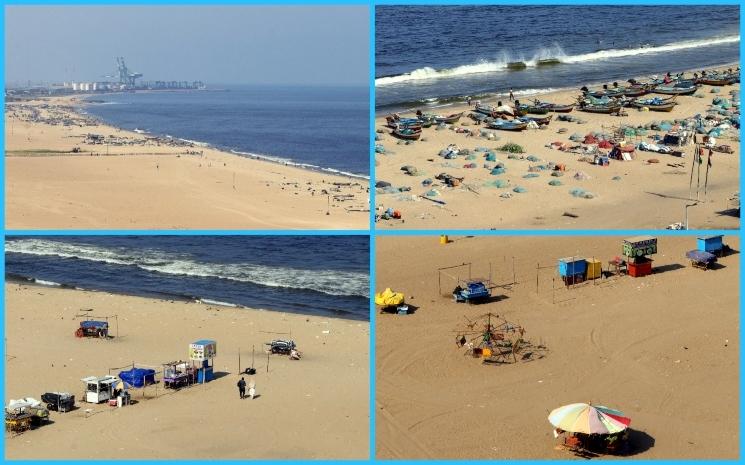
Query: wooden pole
x=514 y=274
x=239 y=359
x=252 y=357
x=267 y=360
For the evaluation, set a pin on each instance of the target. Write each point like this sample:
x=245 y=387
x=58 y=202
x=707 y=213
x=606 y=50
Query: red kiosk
x=636 y=250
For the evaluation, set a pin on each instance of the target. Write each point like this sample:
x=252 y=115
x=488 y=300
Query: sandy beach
x=315 y=408
x=648 y=192
x=146 y=185
x=664 y=349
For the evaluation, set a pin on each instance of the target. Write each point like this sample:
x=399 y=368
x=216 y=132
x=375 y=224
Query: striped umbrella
x=589 y=419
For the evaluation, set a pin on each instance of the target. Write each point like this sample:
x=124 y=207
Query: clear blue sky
x=217 y=44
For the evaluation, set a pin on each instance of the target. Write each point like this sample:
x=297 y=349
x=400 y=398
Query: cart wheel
x=51 y=407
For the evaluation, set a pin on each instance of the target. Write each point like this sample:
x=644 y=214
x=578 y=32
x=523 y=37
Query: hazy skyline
x=218 y=45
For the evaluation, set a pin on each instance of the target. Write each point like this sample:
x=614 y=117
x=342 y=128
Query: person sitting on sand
x=294 y=354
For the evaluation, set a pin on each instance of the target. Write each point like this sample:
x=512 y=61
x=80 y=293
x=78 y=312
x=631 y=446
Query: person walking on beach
x=242 y=387
x=512 y=96
x=468 y=101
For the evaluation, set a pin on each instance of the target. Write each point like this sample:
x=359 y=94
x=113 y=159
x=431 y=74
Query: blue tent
x=138 y=377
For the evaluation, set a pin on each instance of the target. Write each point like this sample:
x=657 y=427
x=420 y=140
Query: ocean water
x=316 y=275
x=435 y=54
x=317 y=127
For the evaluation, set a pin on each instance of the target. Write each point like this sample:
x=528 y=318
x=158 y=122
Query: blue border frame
x=373 y=233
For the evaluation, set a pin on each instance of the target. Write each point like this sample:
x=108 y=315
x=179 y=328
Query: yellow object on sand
x=486 y=352
x=594 y=268
x=388 y=298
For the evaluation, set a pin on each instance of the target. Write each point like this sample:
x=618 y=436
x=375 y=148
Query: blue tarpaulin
x=138 y=377
x=701 y=256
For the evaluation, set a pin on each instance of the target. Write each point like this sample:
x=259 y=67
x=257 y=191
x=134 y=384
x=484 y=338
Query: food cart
x=178 y=374
x=636 y=250
x=99 y=390
x=93 y=328
x=203 y=353
x=572 y=270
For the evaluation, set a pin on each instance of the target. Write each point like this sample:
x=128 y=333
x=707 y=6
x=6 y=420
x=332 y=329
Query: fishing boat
x=494 y=111
x=394 y=121
x=407 y=133
x=534 y=109
x=636 y=91
x=655 y=104
x=540 y=120
x=504 y=125
x=554 y=107
x=686 y=88
x=448 y=119
x=515 y=65
x=716 y=81
x=601 y=109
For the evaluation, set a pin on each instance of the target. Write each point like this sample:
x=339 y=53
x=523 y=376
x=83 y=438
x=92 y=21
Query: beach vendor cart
x=572 y=270
x=202 y=353
x=590 y=430
x=178 y=374
x=92 y=328
x=712 y=244
x=700 y=259
x=471 y=291
x=23 y=414
x=59 y=401
x=636 y=250
x=99 y=390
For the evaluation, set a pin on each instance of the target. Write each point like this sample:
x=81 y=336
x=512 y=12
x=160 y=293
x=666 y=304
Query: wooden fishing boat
x=540 y=120
x=635 y=91
x=448 y=119
x=717 y=80
x=493 y=111
x=514 y=125
x=675 y=89
x=534 y=109
x=394 y=121
x=601 y=109
x=553 y=107
x=666 y=105
x=407 y=133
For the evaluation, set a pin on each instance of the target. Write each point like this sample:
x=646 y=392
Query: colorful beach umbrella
x=589 y=419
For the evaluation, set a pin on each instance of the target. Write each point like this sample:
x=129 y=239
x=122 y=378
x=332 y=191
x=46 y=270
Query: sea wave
x=330 y=282
x=554 y=52
x=307 y=166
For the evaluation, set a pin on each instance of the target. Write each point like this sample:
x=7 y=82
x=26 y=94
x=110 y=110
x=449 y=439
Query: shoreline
x=185 y=186
x=277 y=159
x=21 y=280
x=313 y=408
x=458 y=100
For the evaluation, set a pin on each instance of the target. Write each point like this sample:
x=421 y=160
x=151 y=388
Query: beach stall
x=572 y=270
x=178 y=374
x=636 y=250
x=711 y=244
x=23 y=414
x=203 y=352
x=99 y=390
x=137 y=377
x=92 y=328
x=700 y=259
x=471 y=291
x=590 y=430
x=59 y=401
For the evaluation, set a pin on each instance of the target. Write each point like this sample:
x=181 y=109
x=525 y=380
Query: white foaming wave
x=216 y=302
x=308 y=166
x=619 y=53
x=553 y=52
x=47 y=283
x=331 y=282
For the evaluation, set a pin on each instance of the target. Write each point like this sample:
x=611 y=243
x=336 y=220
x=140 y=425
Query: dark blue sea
x=435 y=54
x=316 y=275
x=316 y=127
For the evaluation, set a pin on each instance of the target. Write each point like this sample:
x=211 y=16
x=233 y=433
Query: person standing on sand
x=512 y=96
x=242 y=387
x=468 y=101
